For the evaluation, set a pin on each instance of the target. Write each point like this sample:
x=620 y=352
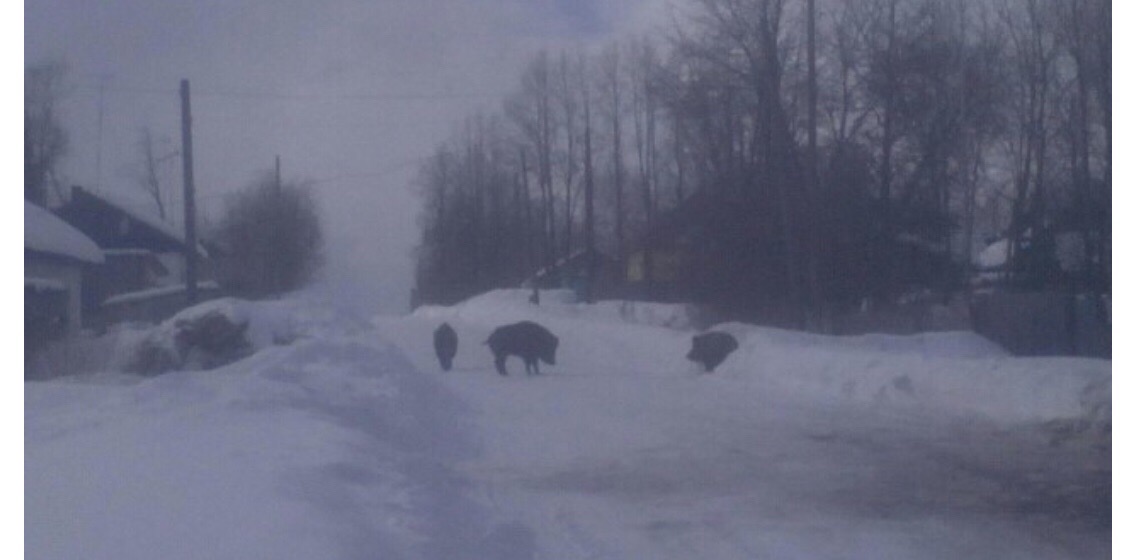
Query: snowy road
x=781 y=483
x=594 y=462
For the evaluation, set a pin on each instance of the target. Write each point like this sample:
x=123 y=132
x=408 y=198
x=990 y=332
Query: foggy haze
x=350 y=94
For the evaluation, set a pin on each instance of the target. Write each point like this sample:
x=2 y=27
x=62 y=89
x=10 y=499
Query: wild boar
x=445 y=345
x=525 y=339
x=710 y=349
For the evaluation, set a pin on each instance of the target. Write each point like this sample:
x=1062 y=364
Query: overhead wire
x=365 y=96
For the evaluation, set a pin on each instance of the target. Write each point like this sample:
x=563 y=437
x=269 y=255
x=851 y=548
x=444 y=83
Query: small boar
x=527 y=340
x=710 y=349
x=445 y=345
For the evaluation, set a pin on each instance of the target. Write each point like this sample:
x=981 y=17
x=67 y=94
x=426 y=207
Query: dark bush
x=269 y=240
x=205 y=341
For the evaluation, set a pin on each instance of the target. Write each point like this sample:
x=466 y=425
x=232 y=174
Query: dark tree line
x=795 y=173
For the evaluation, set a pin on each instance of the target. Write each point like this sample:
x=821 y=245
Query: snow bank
x=513 y=305
x=949 y=372
x=333 y=446
x=271 y=322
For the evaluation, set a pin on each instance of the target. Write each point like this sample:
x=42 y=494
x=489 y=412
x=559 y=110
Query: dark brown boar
x=526 y=339
x=710 y=349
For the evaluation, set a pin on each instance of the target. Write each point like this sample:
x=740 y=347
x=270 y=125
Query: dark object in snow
x=205 y=341
x=710 y=349
x=527 y=340
x=445 y=345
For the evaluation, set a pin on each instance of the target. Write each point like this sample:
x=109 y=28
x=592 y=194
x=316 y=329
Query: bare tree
x=45 y=141
x=1086 y=37
x=151 y=175
x=1034 y=52
x=532 y=112
x=612 y=83
x=566 y=89
x=645 y=116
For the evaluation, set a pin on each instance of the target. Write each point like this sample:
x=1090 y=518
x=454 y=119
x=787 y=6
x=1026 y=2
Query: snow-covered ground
x=350 y=442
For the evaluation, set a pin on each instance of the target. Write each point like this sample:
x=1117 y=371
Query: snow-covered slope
x=326 y=448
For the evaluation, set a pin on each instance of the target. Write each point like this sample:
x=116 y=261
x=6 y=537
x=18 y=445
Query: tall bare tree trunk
x=589 y=193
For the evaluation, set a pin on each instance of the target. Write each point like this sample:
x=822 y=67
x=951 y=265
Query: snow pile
x=222 y=330
x=957 y=373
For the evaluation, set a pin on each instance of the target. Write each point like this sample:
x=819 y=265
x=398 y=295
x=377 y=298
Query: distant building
x=1065 y=248
x=571 y=272
x=673 y=243
x=57 y=260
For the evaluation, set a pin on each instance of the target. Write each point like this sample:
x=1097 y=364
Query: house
x=57 y=260
x=1063 y=253
x=674 y=244
x=572 y=272
x=145 y=256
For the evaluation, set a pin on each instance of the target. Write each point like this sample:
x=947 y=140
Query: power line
x=382 y=172
x=233 y=94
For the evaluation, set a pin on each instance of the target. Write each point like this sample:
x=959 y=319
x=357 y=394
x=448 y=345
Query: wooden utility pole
x=279 y=188
x=190 y=204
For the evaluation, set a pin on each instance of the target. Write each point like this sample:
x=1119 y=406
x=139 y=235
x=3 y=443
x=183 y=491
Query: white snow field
x=350 y=442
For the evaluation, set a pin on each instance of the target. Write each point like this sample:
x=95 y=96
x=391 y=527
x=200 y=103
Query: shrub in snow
x=204 y=340
x=152 y=357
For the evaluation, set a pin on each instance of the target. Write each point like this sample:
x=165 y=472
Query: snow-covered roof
x=1069 y=250
x=152 y=293
x=140 y=209
x=994 y=255
x=47 y=233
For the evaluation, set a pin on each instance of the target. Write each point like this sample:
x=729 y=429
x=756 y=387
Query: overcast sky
x=351 y=94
